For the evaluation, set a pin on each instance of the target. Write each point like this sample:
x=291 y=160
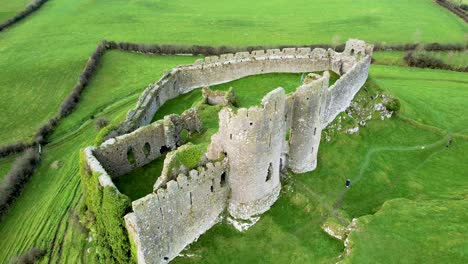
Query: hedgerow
x=14 y=182
x=34 y=6
x=30 y=256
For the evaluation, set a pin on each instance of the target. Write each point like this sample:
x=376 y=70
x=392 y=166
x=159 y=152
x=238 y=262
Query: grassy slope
x=9 y=8
x=42 y=211
x=436 y=228
x=44 y=54
x=387 y=162
x=435 y=98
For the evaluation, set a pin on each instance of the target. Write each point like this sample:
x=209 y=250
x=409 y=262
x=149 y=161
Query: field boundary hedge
x=13 y=183
x=31 y=8
x=454 y=9
x=427 y=61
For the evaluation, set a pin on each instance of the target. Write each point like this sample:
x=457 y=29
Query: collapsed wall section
x=251 y=139
x=163 y=223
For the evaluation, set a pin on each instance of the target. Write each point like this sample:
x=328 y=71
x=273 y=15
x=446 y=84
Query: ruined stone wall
x=122 y=154
x=221 y=69
x=252 y=140
x=306 y=126
x=340 y=94
x=163 y=223
x=228 y=67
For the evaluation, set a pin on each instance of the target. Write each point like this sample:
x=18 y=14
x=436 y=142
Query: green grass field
x=9 y=8
x=38 y=58
x=409 y=190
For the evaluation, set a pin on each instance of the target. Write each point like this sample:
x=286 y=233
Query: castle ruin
x=240 y=172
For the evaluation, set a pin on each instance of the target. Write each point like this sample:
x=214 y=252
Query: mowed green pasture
x=414 y=231
x=9 y=8
x=433 y=97
x=43 y=55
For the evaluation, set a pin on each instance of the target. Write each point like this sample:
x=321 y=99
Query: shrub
x=101 y=122
x=13 y=148
x=16 y=179
x=393 y=105
x=30 y=256
x=18 y=17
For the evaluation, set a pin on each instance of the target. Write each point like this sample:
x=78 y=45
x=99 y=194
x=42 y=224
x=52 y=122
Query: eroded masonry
x=240 y=173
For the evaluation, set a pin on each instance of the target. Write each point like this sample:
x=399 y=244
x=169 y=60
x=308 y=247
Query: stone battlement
x=241 y=170
x=228 y=67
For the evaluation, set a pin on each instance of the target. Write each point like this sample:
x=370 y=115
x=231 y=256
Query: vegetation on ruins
x=107 y=208
x=404 y=156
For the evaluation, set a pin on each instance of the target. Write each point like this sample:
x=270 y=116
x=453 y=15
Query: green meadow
x=9 y=8
x=408 y=190
x=45 y=53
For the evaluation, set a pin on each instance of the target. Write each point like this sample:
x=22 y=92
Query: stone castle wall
x=252 y=142
x=122 y=154
x=162 y=224
x=228 y=67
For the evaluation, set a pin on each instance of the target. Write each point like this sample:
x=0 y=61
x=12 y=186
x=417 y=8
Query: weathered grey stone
x=162 y=224
x=251 y=143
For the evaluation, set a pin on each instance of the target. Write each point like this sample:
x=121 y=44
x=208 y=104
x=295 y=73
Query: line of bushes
x=14 y=148
x=17 y=177
x=34 y=6
x=457 y=10
x=421 y=60
x=29 y=257
x=435 y=46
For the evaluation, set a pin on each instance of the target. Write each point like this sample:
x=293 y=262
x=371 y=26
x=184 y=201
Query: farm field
x=403 y=174
x=38 y=58
x=9 y=8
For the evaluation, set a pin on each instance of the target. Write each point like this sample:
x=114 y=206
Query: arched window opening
x=147 y=149
x=131 y=156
